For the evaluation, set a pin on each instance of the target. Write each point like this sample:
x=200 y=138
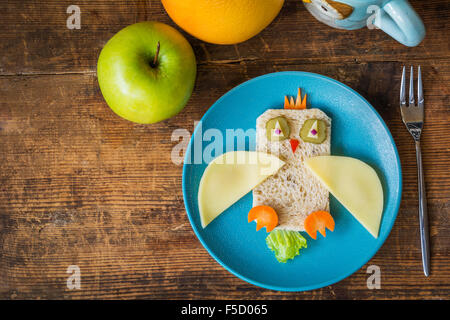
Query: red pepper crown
x=289 y=102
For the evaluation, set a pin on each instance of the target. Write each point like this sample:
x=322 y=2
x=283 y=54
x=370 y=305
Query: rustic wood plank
x=81 y=186
x=35 y=38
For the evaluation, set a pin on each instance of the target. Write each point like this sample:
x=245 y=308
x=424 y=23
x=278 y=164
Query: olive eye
x=314 y=131
x=277 y=129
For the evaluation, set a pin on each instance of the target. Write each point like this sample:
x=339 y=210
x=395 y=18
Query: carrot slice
x=303 y=105
x=318 y=221
x=298 y=102
x=286 y=102
x=265 y=216
x=290 y=103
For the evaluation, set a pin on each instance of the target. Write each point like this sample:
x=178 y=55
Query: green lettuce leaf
x=285 y=244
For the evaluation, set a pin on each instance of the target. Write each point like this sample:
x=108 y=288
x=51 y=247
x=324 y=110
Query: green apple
x=146 y=72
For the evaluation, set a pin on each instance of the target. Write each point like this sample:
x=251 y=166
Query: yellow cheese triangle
x=354 y=184
x=231 y=176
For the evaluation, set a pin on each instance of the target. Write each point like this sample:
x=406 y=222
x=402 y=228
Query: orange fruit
x=223 y=21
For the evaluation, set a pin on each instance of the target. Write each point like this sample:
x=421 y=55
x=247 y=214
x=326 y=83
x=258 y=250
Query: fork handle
x=423 y=215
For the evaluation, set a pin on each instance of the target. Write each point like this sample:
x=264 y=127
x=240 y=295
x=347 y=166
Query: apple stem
x=155 y=59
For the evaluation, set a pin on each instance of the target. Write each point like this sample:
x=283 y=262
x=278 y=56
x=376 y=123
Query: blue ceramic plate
x=357 y=131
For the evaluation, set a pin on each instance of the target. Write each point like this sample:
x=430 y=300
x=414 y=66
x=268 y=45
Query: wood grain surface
x=80 y=186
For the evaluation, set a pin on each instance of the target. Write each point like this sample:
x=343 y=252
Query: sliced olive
x=314 y=131
x=277 y=129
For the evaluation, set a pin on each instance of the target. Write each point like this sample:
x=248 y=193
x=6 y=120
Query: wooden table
x=80 y=186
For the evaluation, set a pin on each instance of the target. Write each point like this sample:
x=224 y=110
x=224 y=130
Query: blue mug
x=395 y=17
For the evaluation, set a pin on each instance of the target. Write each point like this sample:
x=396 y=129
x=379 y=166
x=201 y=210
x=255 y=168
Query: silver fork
x=412 y=116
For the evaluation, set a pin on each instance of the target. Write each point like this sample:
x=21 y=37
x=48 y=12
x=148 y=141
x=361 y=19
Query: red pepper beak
x=294 y=144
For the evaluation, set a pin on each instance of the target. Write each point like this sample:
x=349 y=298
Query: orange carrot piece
x=303 y=105
x=298 y=102
x=286 y=102
x=265 y=216
x=318 y=221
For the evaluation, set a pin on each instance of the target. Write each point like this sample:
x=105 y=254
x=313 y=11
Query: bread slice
x=294 y=192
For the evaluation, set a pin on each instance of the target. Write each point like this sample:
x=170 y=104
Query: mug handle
x=399 y=20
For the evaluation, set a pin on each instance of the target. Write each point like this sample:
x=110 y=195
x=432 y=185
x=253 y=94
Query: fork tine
x=403 y=89
x=420 y=99
x=411 y=88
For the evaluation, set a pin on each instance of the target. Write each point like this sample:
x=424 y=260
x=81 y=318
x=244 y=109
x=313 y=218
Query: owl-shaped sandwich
x=294 y=134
